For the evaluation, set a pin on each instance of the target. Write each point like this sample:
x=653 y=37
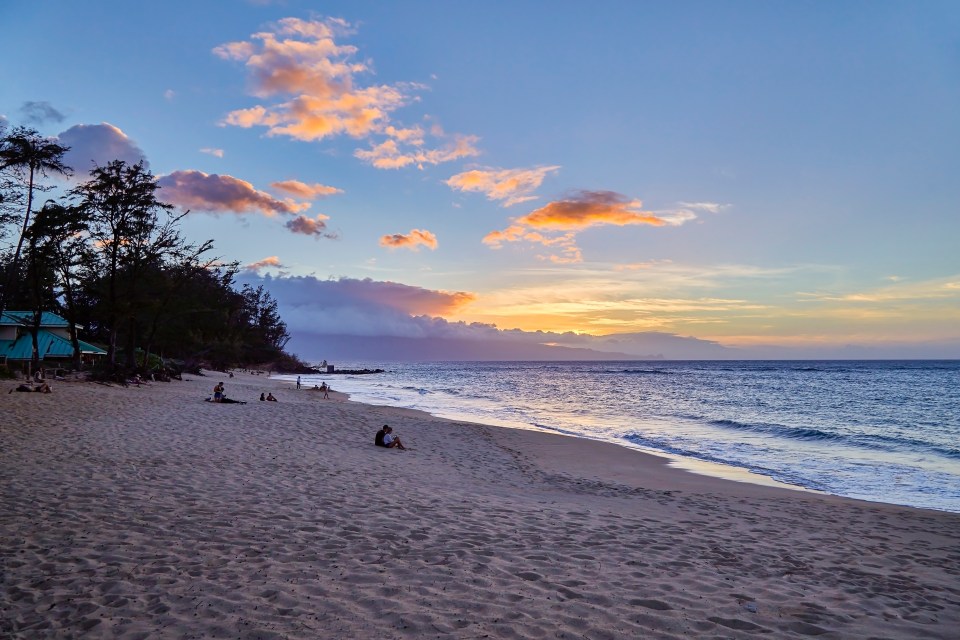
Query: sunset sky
x=753 y=174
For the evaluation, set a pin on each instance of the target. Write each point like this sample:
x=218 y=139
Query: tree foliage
x=109 y=256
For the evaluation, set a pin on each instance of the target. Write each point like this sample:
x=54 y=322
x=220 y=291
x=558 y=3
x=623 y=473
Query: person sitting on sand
x=40 y=388
x=270 y=398
x=262 y=397
x=225 y=400
x=391 y=441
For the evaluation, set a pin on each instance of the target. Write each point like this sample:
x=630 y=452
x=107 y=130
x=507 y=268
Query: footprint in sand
x=651 y=604
x=739 y=625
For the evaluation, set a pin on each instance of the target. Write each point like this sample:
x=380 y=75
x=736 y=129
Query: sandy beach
x=145 y=512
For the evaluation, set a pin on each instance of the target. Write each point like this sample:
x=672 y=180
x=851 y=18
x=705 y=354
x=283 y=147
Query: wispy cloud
x=709 y=207
x=316 y=226
x=40 y=113
x=391 y=154
x=637 y=266
x=512 y=186
x=218 y=153
x=299 y=189
x=412 y=240
x=898 y=291
x=221 y=193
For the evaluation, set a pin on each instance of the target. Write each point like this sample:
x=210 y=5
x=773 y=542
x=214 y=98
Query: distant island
x=332 y=371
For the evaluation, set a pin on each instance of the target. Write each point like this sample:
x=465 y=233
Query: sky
x=686 y=179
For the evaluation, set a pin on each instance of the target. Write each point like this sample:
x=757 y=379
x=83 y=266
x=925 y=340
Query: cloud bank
x=389 y=320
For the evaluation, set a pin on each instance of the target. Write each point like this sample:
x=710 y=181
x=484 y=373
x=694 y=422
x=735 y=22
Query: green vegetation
x=108 y=256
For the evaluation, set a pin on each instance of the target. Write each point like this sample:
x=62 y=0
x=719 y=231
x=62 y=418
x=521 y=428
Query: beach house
x=53 y=340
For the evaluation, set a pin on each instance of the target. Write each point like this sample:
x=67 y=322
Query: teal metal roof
x=25 y=318
x=50 y=346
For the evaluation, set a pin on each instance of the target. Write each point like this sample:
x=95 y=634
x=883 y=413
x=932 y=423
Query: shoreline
x=678 y=462
x=141 y=512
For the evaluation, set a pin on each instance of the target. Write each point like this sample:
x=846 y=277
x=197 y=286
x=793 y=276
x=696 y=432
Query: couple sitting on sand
x=385 y=438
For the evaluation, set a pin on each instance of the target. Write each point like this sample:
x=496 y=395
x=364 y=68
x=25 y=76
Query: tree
x=27 y=156
x=130 y=237
x=58 y=239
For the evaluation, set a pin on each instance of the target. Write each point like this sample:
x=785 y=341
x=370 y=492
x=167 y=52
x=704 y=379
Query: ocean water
x=886 y=431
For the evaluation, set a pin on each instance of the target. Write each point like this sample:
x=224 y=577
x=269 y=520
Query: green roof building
x=53 y=339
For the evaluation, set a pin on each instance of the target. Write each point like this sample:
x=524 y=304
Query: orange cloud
x=583 y=209
x=411 y=240
x=272 y=261
x=211 y=192
x=590 y=208
x=513 y=186
x=316 y=226
x=311 y=81
x=302 y=59
x=303 y=190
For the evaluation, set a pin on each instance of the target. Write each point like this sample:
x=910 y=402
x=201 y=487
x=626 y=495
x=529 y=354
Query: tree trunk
x=34 y=337
x=12 y=269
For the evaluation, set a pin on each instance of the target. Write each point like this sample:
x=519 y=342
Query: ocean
x=886 y=431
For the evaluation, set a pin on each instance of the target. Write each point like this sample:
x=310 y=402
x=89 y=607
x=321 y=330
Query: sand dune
x=147 y=512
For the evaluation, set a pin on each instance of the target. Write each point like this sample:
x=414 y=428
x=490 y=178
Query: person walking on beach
x=298 y=382
x=326 y=390
x=218 y=392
